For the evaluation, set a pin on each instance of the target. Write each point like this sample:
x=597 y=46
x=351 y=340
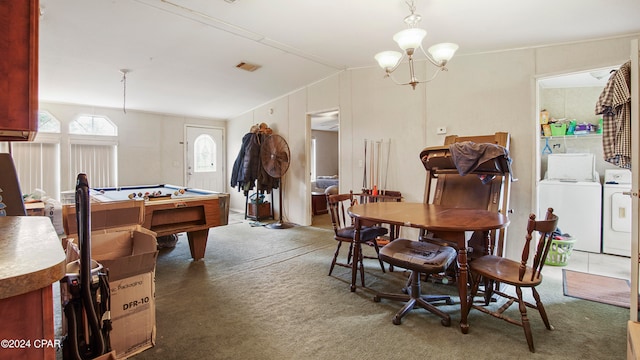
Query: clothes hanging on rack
x=614 y=104
x=247 y=169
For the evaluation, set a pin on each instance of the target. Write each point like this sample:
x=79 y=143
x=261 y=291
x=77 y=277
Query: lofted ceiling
x=181 y=55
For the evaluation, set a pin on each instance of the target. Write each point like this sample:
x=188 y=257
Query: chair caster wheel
x=376 y=298
x=396 y=320
x=445 y=322
x=405 y=290
x=449 y=302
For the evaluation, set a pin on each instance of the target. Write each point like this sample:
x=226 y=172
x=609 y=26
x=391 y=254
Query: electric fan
x=275 y=157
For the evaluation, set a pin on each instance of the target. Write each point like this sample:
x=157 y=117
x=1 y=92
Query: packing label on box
x=133 y=313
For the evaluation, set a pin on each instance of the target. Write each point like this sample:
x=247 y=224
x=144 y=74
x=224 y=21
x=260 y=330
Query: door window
x=205 y=150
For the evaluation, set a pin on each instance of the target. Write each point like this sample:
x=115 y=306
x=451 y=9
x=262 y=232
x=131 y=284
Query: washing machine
x=572 y=188
x=616 y=212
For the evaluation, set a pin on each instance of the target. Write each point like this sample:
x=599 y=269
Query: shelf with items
x=551 y=127
x=572 y=136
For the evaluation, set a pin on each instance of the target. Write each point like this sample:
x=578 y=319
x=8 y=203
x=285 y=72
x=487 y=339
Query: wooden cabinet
x=319 y=203
x=19 y=69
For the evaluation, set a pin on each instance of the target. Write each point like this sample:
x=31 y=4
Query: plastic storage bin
x=558 y=129
x=560 y=252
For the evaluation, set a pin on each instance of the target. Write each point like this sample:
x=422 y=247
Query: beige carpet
x=264 y=294
x=603 y=289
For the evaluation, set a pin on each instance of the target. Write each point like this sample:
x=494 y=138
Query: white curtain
x=97 y=161
x=38 y=167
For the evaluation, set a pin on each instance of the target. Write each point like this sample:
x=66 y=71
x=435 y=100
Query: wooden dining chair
x=383 y=196
x=519 y=274
x=344 y=232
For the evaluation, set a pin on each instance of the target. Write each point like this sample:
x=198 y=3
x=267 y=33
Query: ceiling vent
x=248 y=67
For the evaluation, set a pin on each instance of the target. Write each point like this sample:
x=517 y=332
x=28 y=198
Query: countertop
x=31 y=255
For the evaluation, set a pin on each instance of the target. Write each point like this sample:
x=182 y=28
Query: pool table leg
x=198 y=243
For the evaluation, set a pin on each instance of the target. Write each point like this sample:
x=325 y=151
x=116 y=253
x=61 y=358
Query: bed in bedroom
x=323 y=182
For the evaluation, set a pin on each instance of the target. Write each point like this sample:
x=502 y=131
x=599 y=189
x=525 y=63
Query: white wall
x=480 y=94
x=150 y=146
x=326 y=152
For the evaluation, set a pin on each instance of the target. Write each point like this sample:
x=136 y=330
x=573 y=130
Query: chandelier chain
x=124 y=89
x=412 y=6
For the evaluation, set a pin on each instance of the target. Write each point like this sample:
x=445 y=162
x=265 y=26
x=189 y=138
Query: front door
x=205 y=154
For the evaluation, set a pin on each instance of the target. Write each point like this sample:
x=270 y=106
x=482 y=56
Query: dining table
x=446 y=223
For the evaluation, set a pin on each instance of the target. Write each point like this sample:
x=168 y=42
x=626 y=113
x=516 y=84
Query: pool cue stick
x=386 y=170
x=378 y=166
x=364 y=176
x=371 y=168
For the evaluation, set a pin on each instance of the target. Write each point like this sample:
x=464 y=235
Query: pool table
x=170 y=209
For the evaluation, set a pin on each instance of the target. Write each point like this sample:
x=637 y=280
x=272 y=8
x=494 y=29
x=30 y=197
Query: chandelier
x=409 y=41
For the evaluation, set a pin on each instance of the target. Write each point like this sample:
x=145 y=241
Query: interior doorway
x=563 y=100
x=323 y=162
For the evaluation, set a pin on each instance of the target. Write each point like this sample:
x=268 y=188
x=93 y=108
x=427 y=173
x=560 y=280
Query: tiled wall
x=579 y=104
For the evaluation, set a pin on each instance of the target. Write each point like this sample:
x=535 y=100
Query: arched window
x=47 y=123
x=93 y=125
x=205 y=150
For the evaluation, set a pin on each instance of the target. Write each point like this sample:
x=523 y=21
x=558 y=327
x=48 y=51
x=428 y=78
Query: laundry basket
x=560 y=251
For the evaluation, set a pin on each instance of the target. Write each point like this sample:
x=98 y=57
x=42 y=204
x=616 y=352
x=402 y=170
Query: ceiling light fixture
x=409 y=41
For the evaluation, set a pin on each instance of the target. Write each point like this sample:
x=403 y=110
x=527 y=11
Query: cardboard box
x=129 y=252
x=133 y=314
x=34 y=208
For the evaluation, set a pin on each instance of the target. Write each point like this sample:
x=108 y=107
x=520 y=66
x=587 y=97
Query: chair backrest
x=545 y=228
x=338 y=205
x=384 y=196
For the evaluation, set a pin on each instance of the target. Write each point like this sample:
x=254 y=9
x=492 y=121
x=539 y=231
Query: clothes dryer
x=616 y=212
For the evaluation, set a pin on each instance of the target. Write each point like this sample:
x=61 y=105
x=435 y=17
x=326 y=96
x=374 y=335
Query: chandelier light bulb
x=410 y=38
x=388 y=59
x=443 y=52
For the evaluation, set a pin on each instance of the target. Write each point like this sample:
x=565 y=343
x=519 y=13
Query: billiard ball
x=131 y=196
x=181 y=191
x=139 y=194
